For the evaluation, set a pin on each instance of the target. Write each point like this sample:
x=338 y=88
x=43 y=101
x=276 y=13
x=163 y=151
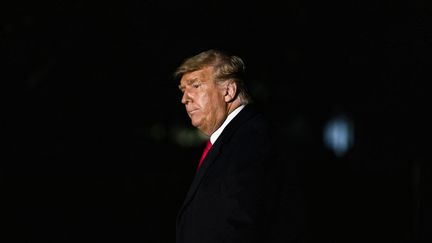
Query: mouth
x=191 y=112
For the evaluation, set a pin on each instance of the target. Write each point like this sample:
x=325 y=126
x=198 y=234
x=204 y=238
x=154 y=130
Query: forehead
x=202 y=75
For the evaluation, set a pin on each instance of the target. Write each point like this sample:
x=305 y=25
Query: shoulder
x=250 y=130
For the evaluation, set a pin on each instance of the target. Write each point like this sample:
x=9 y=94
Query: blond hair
x=226 y=67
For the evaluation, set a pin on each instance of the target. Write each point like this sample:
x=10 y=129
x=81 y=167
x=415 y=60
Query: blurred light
x=188 y=137
x=339 y=135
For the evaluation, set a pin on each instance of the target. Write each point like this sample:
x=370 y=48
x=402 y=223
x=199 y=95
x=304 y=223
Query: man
x=234 y=195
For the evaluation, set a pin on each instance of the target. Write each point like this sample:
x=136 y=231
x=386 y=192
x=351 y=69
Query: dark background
x=98 y=148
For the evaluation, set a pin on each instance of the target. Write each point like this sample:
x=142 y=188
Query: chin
x=195 y=124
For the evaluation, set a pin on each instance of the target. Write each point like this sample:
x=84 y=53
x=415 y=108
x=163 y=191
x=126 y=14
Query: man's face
x=204 y=100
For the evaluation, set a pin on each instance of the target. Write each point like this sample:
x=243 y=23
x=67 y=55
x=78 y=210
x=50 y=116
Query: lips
x=192 y=111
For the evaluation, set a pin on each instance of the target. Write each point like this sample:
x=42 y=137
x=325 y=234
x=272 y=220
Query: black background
x=91 y=117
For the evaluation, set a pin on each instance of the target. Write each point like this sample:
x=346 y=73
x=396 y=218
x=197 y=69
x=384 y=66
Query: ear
x=230 y=91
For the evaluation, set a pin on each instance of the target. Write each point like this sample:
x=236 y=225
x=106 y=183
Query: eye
x=196 y=85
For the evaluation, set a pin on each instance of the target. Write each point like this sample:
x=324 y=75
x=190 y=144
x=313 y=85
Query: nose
x=185 y=98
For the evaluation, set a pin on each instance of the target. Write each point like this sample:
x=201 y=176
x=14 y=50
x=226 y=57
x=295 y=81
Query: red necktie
x=206 y=149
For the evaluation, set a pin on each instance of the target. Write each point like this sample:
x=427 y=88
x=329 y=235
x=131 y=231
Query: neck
x=233 y=105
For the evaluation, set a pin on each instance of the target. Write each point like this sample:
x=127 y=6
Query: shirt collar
x=218 y=132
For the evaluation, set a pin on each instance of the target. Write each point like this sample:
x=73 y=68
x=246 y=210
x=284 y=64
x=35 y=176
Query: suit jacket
x=234 y=195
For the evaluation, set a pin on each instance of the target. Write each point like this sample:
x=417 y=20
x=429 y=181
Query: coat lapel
x=208 y=160
x=214 y=151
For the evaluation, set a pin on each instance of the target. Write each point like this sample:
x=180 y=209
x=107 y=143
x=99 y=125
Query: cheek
x=209 y=102
x=203 y=100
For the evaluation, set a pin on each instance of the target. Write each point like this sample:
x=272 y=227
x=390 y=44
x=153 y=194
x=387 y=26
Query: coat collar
x=245 y=114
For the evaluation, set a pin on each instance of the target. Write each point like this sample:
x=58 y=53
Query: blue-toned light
x=339 y=135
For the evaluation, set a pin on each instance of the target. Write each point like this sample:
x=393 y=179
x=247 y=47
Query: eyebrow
x=189 y=82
